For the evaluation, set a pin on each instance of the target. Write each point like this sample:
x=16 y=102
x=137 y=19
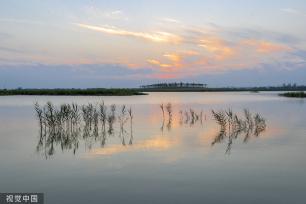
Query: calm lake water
x=152 y=161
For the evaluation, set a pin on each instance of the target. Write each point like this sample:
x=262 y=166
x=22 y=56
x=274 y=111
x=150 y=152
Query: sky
x=120 y=43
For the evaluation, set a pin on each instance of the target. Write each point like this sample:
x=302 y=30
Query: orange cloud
x=262 y=46
x=200 y=53
x=218 y=47
x=190 y=53
x=160 y=37
x=158 y=63
x=175 y=58
x=175 y=61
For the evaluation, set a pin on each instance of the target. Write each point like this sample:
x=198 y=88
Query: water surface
x=154 y=162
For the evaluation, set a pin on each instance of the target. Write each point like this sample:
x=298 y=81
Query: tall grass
x=65 y=124
x=231 y=126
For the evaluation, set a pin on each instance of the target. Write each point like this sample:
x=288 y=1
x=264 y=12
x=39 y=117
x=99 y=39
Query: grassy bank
x=300 y=94
x=71 y=92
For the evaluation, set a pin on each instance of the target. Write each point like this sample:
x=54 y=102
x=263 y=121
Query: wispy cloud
x=158 y=63
x=218 y=47
x=159 y=36
x=7 y=49
x=218 y=55
x=170 y=20
x=262 y=46
x=117 y=14
x=23 y=21
x=4 y=36
x=189 y=50
x=209 y=49
x=97 y=13
x=175 y=61
x=293 y=11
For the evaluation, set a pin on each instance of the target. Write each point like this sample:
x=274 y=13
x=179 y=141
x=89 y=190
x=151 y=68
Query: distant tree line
x=181 y=87
x=290 y=85
x=174 y=85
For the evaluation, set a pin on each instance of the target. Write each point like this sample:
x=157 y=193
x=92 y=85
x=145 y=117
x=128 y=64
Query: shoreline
x=71 y=92
x=134 y=91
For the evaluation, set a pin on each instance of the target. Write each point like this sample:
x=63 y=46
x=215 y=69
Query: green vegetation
x=300 y=94
x=81 y=92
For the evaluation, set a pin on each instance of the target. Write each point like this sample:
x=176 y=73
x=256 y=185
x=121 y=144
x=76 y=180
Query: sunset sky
x=120 y=43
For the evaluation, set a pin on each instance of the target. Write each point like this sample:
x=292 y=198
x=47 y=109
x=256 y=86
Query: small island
x=72 y=92
x=299 y=94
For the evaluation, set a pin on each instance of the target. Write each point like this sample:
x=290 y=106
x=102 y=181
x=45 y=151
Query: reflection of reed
x=162 y=107
x=231 y=126
x=131 y=126
x=169 y=111
x=111 y=119
x=162 y=126
x=168 y=108
x=63 y=126
x=68 y=125
x=189 y=117
x=169 y=124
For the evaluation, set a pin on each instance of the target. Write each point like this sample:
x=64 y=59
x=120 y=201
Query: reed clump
x=62 y=125
x=231 y=126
